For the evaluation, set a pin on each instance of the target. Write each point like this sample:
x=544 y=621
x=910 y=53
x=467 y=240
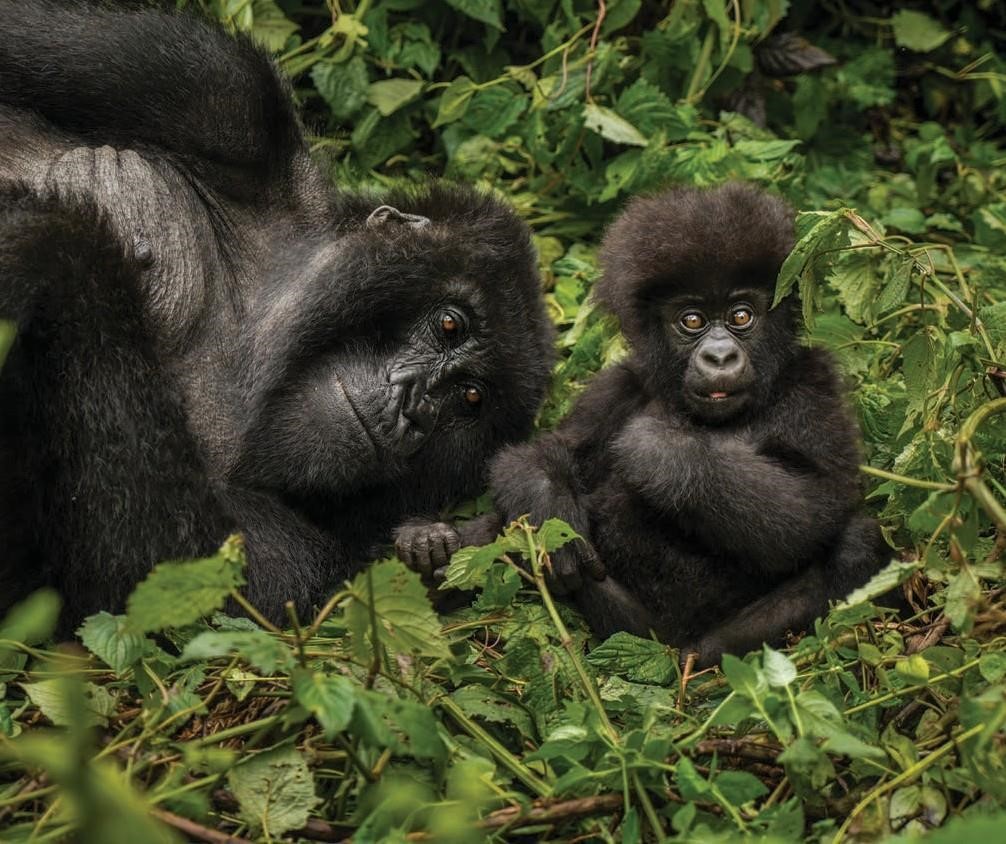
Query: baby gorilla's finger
x=590 y=562
x=565 y=572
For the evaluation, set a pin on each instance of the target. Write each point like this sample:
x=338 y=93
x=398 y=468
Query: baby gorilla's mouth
x=718 y=395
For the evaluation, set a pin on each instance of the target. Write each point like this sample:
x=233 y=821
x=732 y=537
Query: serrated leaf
x=405 y=619
x=789 y=53
x=329 y=697
x=488 y=705
x=495 y=110
x=111 y=639
x=404 y=726
x=917 y=31
x=469 y=565
x=256 y=647
x=343 y=86
x=389 y=95
x=610 y=126
x=554 y=533
x=454 y=101
x=176 y=594
x=54 y=702
x=275 y=790
x=896 y=284
x=893 y=574
x=641 y=660
x=827 y=230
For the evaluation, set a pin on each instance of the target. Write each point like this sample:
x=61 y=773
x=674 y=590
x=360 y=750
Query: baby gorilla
x=714 y=471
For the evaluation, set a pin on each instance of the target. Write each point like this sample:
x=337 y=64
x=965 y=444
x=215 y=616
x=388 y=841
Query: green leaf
x=256 y=647
x=275 y=790
x=495 y=110
x=914 y=668
x=60 y=707
x=486 y=11
x=8 y=331
x=744 y=679
x=896 y=284
x=389 y=95
x=343 y=86
x=111 y=639
x=330 y=698
x=893 y=574
x=405 y=619
x=454 y=101
x=779 y=668
x=469 y=565
x=33 y=620
x=825 y=230
x=610 y=126
x=404 y=726
x=554 y=533
x=641 y=660
x=917 y=31
x=739 y=787
x=488 y=705
x=176 y=594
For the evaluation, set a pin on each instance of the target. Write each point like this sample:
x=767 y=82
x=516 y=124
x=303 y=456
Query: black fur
x=211 y=338
x=715 y=470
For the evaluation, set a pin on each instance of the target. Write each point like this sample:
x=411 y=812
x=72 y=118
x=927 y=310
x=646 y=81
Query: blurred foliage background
x=883 y=124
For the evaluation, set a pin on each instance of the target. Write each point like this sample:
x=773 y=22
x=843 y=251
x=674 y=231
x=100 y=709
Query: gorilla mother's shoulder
x=211 y=338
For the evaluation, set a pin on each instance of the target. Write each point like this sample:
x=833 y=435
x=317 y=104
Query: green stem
x=904 y=776
x=499 y=752
x=586 y=681
x=907 y=481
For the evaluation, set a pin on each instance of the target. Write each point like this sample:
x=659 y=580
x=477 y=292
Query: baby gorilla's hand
x=426 y=547
x=569 y=565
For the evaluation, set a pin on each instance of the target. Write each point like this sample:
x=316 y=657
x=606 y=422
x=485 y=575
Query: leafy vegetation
x=380 y=720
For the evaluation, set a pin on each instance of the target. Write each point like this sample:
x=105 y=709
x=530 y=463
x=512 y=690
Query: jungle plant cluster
x=378 y=720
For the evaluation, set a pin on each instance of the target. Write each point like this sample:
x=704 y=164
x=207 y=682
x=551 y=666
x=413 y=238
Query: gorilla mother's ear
x=389 y=214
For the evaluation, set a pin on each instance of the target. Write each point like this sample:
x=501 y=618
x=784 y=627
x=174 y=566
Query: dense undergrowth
x=504 y=721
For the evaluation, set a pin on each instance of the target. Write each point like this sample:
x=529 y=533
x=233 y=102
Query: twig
x=602 y=10
x=740 y=748
x=686 y=675
x=515 y=817
x=196 y=830
x=916 y=644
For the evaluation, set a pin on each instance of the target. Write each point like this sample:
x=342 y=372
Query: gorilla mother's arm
x=145 y=77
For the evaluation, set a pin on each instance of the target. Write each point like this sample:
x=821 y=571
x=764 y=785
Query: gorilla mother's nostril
x=419 y=408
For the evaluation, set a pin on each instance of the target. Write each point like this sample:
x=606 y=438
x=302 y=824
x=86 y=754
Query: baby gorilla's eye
x=473 y=395
x=741 y=318
x=693 y=321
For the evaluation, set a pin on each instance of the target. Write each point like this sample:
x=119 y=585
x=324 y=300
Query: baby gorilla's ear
x=388 y=214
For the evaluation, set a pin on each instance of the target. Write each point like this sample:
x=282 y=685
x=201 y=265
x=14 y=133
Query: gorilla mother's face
x=407 y=352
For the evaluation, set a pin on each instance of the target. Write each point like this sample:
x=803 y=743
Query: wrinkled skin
x=211 y=338
x=714 y=471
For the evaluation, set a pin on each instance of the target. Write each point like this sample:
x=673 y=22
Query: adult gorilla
x=210 y=337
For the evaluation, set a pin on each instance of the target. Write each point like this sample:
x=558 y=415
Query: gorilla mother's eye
x=741 y=317
x=473 y=395
x=693 y=321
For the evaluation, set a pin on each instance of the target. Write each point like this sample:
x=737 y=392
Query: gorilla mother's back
x=210 y=338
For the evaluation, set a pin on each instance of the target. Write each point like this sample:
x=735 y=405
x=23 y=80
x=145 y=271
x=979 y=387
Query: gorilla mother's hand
x=426 y=545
